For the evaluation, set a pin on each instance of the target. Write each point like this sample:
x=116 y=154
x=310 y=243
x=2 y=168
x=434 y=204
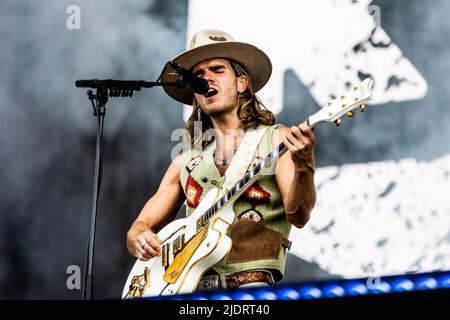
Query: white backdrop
x=371 y=218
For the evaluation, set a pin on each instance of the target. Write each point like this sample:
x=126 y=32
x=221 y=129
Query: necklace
x=225 y=161
x=222 y=161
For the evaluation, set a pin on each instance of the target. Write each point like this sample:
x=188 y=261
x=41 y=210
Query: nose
x=208 y=76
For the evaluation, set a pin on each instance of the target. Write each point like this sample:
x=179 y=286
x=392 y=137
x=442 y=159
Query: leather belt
x=212 y=281
x=238 y=279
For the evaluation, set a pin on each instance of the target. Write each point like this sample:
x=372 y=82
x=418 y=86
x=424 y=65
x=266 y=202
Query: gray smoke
x=48 y=134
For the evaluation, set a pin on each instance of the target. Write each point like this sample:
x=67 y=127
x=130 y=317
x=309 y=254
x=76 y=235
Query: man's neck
x=227 y=129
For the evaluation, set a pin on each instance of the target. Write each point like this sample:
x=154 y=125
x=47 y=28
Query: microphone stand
x=105 y=88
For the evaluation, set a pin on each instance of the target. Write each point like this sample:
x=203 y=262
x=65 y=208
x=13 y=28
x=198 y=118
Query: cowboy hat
x=211 y=44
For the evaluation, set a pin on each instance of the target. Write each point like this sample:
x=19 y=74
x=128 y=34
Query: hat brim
x=254 y=61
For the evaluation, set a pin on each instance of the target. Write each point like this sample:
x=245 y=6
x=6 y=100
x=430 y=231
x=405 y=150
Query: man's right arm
x=160 y=209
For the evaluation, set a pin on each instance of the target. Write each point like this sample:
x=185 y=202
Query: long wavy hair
x=251 y=113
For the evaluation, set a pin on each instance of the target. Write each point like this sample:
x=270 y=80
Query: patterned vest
x=260 y=229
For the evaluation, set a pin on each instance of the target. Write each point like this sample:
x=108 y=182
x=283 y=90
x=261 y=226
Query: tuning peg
x=351 y=114
x=338 y=122
x=362 y=107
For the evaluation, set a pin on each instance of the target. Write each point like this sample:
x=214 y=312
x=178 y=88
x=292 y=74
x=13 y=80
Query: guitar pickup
x=200 y=223
x=178 y=244
x=165 y=255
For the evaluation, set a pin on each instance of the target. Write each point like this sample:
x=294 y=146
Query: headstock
x=333 y=110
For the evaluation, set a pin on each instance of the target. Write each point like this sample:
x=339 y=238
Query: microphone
x=199 y=85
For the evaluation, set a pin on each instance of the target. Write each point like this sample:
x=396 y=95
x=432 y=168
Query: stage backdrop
x=382 y=176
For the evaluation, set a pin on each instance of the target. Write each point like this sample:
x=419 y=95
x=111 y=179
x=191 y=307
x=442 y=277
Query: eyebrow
x=213 y=67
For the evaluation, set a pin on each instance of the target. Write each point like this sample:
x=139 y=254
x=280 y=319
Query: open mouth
x=211 y=92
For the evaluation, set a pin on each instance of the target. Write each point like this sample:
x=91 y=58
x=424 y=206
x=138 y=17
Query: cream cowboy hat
x=210 y=44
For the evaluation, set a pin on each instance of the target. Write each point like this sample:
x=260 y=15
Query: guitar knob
x=362 y=107
x=351 y=114
x=338 y=122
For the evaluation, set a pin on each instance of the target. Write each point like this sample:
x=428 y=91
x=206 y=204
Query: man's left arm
x=295 y=172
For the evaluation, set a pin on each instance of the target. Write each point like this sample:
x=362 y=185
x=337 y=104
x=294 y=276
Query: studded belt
x=212 y=281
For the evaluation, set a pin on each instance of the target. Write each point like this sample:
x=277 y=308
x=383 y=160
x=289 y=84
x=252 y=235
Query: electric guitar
x=192 y=245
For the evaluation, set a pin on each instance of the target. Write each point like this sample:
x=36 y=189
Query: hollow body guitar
x=192 y=245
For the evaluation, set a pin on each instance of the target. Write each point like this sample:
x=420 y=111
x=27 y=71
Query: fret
x=203 y=220
x=262 y=164
x=199 y=224
x=275 y=153
x=268 y=161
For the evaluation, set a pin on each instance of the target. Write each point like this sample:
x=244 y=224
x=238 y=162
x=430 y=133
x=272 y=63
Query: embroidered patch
x=251 y=214
x=193 y=163
x=193 y=191
x=256 y=194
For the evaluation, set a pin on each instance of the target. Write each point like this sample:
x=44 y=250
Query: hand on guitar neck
x=300 y=141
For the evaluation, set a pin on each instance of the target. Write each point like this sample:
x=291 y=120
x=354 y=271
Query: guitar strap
x=243 y=157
